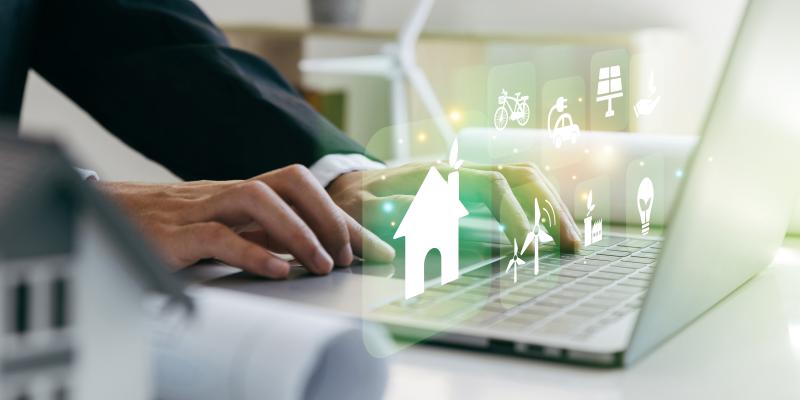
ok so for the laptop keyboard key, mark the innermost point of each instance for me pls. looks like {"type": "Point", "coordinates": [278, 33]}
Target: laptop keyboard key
{"type": "Point", "coordinates": [629, 289]}
{"type": "Point", "coordinates": [585, 311]}
{"type": "Point", "coordinates": [469, 297]}
{"type": "Point", "coordinates": [495, 306]}
{"type": "Point", "coordinates": [570, 293]}
{"type": "Point", "coordinates": [641, 277]}
{"type": "Point", "coordinates": [635, 282]}
{"type": "Point", "coordinates": [538, 308]}
{"type": "Point", "coordinates": [613, 296]}
{"type": "Point", "coordinates": [618, 270]}
{"type": "Point", "coordinates": [578, 286]}
{"type": "Point", "coordinates": [627, 264]}
{"type": "Point", "coordinates": [642, 254]}
{"type": "Point", "coordinates": [531, 291]}
{"type": "Point", "coordinates": [638, 260]}
{"type": "Point", "coordinates": [441, 311]}
{"type": "Point", "coordinates": [638, 243]}
{"type": "Point", "coordinates": [557, 280]}
{"type": "Point", "coordinates": [556, 301]}
{"type": "Point", "coordinates": [593, 262]}
{"type": "Point", "coordinates": [601, 303]}
{"type": "Point", "coordinates": [609, 241]}
{"type": "Point", "coordinates": [595, 282]}
{"type": "Point", "coordinates": [481, 318]}
{"type": "Point", "coordinates": [582, 267]}
{"type": "Point", "coordinates": [599, 257]}
{"type": "Point", "coordinates": [607, 275]}
{"type": "Point", "coordinates": [614, 253]}
{"type": "Point", "coordinates": [570, 273]}
{"type": "Point", "coordinates": [513, 299]}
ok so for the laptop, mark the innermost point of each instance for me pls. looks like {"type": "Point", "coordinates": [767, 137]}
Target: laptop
{"type": "Point", "coordinates": [615, 300]}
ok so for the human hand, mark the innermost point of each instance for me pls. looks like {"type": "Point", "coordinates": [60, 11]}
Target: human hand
{"type": "Point", "coordinates": [244, 223]}
{"type": "Point", "coordinates": [508, 191]}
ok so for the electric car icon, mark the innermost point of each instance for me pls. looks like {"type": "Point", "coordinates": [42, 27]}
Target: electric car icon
{"type": "Point", "coordinates": [564, 129]}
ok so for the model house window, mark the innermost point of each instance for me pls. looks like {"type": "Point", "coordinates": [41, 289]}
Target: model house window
{"type": "Point", "coordinates": [19, 310]}
{"type": "Point", "coordinates": [59, 307]}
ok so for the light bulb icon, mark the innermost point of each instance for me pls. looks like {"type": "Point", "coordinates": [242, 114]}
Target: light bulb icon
{"type": "Point", "coordinates": [645, 202]}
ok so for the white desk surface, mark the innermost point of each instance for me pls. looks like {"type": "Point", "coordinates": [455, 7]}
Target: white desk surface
{"type": "Point", "coordinates": [747, 347]}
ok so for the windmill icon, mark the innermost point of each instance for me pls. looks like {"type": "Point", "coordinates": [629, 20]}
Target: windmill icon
{"type": "Point", "coordinates": [537, 235]}
{"type": "Point", "coordinates": [515, 261]}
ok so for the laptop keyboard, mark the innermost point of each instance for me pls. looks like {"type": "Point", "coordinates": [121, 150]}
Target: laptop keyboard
{"type": "Point", "coordinates": [573, 295]}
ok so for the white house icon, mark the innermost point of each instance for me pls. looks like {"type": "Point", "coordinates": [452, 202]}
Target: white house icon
{"type": "Point", "coordinates": [431, 222]}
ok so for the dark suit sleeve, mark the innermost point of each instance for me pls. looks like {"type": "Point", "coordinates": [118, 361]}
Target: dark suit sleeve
{"type": "Point", "coordinates": [160, 76]}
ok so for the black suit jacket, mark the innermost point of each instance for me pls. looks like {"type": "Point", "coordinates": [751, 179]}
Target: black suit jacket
{"type": "Point", "coordinates": [159, 75]}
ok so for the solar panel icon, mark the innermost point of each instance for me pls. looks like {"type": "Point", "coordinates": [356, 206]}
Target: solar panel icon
{"type": "Point", "coordinates": [609, 87]}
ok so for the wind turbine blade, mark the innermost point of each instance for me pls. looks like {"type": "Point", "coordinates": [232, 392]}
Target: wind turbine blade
{"type": "Point", "coordinates": [419, 82]}
{"type": "Point", "coordinates": [537, 212]}
{"type": "Point", "coordinates": [528, 240]}
{"type": "Point", "coordinates": [510, 264]}
{"type": "Point", "coordinates": [520, 261]}
{"type": "Point", "coordinates": [544, 237]}
{"type": "Point", "coordinates": [516, 251]}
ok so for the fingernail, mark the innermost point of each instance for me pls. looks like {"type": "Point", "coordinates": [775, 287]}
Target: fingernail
{"type": "Point", "coordinates": [377, 251]}
{"type": "Point", "coordinates": [277, 268]}
{"type": "Point", "coordinates": [387, 253]}
{"type": "Point", "coordinates": [345, 255]}
{"type": "Point", "coordinates": [576, 243]}
{"type": "Point", "coordinates": [323, 262]}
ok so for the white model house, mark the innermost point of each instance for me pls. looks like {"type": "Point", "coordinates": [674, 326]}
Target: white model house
{"type": "Point", "coordinates": [73, 276]}
{"type": "Point", "coordinates": [431, 222]}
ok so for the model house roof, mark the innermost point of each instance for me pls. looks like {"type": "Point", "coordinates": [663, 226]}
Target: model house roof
{"type": "Point", "coordinates": [433, 203]}
{"type": "Point", "coordinates": [41, 196]}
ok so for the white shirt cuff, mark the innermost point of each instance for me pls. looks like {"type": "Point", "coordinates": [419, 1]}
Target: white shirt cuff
{"type": "Point", "coordinates": [87, 174]}
{"type": "Point", "coordinates": [329, 167]}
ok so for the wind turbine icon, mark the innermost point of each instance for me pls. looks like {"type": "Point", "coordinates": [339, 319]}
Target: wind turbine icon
{"type": "Point", "coordinates": [515, 261]}
{"type": "Point", "coordinates": [537, 235]}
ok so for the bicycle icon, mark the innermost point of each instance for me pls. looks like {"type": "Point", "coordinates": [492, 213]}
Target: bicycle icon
{"type": "Point", "coordinates": [520, 112]}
